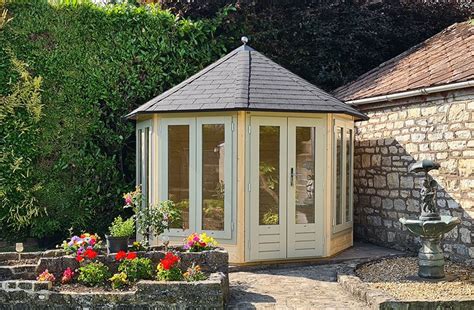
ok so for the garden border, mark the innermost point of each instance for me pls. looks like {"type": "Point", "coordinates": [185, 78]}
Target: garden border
{"type": "Point", "coordinates": [378, 299]}
{"type": "Point", "coordinates": [147, 294]}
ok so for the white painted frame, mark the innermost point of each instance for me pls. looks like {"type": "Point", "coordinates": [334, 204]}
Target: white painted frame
{"type": "Point", "coordinates": [228, 177]}
{"type": "Point", "coordinates": [346, 223]}
{"type": "Point", "coordinates": [163, 169]}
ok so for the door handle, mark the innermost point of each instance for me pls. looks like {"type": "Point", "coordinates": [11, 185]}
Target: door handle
{"type": "Point", "coordinates": [292, 174]}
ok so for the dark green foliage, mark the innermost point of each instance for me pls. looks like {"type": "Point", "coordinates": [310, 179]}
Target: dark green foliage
{"type": "Point", "coordinates": [327, 43]}
{"type": "Point", "coordinates": [97, 64]}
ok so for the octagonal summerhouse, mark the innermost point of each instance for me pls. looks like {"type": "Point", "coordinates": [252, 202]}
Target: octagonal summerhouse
{"type": "Point", "coordinates": [255, 156]}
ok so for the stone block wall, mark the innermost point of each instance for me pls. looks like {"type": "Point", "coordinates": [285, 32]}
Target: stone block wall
{"type": "Point", "coordinates": [439, 127]}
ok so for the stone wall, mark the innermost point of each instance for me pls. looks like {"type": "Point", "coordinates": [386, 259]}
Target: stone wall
{"type": "Point", "coordinates": [438, 127]}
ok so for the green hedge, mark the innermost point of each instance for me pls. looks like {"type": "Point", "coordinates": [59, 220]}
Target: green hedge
{"type": "Point", "coordinates": [97, 64]}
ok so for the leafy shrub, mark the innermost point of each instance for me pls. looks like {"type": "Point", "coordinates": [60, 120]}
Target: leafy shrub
{"type": "Point", "coordinates": [93, 274]}
{"type": "Point", "coordinates": [167, 269]}
{"type": "Point", "coordinates": [137, 269]}
{"type": "Point", "coordinates": [119, 280]}
{"type": "Point", "coordinates": [106, 62]}
{"type": "Point", "coordinates": [121, 228]}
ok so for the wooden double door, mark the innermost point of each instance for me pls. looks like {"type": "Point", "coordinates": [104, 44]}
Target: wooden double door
{"type": "Point", "coordinates": [287, 176]}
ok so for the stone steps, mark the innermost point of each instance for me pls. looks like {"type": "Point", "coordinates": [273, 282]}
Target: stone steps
{"type": "Point", "coordinates": [25, 272]}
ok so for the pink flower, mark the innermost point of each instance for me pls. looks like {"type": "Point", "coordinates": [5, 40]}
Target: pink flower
{"type": "Point", "coordinates": [128, 199]}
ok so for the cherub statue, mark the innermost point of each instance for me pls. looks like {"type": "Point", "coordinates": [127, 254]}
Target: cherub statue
{"type": "Point", "coordinates": [310, 186]}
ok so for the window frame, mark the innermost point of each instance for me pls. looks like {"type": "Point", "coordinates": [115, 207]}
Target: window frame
{"type": "Point", "coordinates": [163, 169]}
{"type": "Point", "coordinates": [195, 171]}
{"type": "Point", "coordinates": [228, 177]}
{"type": "Point", "coordinates": [347, 196]}
{"type": "Point", "coordinates": [145, 181]}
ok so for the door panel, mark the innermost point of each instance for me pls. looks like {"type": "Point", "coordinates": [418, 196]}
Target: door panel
{"type": "Point", "coordinates": [287, 194]}
{"type": "Point", "coordinates": [268, 188]}
{"type": "Point", "coordinates": [305, 189]}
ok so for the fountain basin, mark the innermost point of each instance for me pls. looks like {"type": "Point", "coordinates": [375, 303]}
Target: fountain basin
{"type": "Point", "coordinates": [431, 228]}
{"type": "Point", "coordinates": [430, 255]}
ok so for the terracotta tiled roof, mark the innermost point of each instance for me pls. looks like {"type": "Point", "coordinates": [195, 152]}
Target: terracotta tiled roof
{"type": "Point", "coordinates": [245, 79]}
{"type": "Point", "coordinates": [447, 57]}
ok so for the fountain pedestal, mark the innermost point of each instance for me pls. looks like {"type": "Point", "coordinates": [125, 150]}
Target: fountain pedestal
{"type": "Point", "coordinates": [430, 226]}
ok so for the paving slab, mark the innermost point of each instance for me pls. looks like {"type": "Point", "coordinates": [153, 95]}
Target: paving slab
{"type": "Point", "coordinates": [310, 284]}
{"type": "Point", "coordinates": [302, 287]}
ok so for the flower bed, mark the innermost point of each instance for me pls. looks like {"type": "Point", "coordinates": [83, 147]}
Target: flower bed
{"type": "Point", "coordinates": [211, 292]}
{"type": "Point", "coordinates": [84, 274]}
{"type": "Point", "coordinates": [207, 294]}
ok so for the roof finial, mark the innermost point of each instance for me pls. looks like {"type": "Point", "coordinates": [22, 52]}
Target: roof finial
{"type": "Point", "coordinates": [244, 40]}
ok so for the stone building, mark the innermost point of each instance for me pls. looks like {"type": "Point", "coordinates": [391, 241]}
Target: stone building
{"type": "Point", "coordinates": [421, 106]}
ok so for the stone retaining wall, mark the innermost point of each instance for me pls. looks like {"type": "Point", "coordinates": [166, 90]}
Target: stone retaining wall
{"type": "Point", "coordinates": [438, 127]}
{"type": "Point", "coordinates": [208, 294]}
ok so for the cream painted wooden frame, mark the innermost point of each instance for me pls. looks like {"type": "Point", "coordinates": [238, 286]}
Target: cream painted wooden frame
{"type": "Point", "coordinates": [346, 223]}
{"type": "Point", "coordinates": [229, 183]}
{"type": "Point", "coordinates": [307, 240]}
{"type": "Point", "coordinates": [163, 169]}
{"type": "Point", "coordinates": [145, 151]}
{"type": "Point", "coordinates": [269, 242]}
{"type": "Point", "coordinates": [195, 171]}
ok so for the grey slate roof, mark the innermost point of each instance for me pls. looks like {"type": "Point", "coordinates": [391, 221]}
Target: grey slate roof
{"type": "Point", "coordinates": [245, 79]}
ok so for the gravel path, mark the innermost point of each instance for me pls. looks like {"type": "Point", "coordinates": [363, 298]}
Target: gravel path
{"type": "Point", "coordinates": [305, 287]}
{"type": "Point", "coordinates": [397, 276]}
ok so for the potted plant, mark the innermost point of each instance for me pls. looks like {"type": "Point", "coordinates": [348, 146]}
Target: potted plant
{"type": "Point", "coordinates": [120, 231]}
{"type": "Point", "coordinates": [154, 219]}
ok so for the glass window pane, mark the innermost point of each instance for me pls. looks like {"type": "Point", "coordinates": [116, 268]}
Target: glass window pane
{"type": "Point", "coordinates": [139, 156]}
{"type": "Point", "coordinates": [269, 175]}
{"type": "Point", "coordinates": [339, 135]}
{"type": "Point", "coordinates": [213, 170]}
{"type": "Point", "coordinates": [348, 174]}
{"type": "Point", "coordinates": [304, 174]}
{"type": "Point", "coordinates": [146, 168]}
{"type": "Point", "coordinates": [178, 171]}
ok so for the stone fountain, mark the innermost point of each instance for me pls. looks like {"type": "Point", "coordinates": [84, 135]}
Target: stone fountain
{"type": "Point", "coordinates": [430, 226]}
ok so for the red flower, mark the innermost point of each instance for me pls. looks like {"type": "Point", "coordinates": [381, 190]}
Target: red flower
{"type": "Point", "coordinates": [131, 255]}
{"type": "Point", "coordinates": [90, 254]}
{"type": "Point", "coordinates": [79, 258]}
{"type": "Point", "coordinates": [120, 255]}
{"type": "Point", "coordinates": [169, 261]}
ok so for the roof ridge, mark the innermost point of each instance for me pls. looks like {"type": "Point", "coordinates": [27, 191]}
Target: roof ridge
{"type": "Point", "coordinates": [398, 57]}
